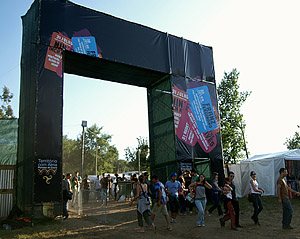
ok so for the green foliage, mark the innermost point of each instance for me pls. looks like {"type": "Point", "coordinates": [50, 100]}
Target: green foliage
{"type": "Point", "coordinates": [232, 123]}
{"type": "Point", "coordinates": [6, 111]}
{"type": "Point", "coordinates": [107, 154]}
{"type": "Point", "coordinates": [71, 155]}
{"type": "Point", "coordinates": [132, 155]}
{"type": "Point", "coordinates": [293, 142]}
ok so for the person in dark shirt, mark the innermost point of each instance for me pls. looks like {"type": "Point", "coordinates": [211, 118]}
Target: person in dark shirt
{"type": "Point", "coordinates": [187, 178]}
{"type": "Point", "coordinates": [123, 179]}
{"type": "Point", "coordinates": [235, 201]}
{"type": "Point", "coordinates": [216, 195]}
{"type": "Point", "coordinates": [86, 187]}
{"type": "Point", "coordinates": [66, 187]}
{"type": "Point", "coordinates": [116, 183]}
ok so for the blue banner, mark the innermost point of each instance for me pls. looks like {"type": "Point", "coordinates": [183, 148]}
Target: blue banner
{"type": "Point", "coordinates": [202, 108]}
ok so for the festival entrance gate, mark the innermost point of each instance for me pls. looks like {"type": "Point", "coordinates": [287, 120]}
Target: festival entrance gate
{"type": "Point", "coordinates": [60, 36]}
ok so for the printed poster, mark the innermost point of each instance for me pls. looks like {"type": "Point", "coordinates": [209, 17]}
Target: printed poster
{"type": "Point", "coordinates": [81, 42]}
{"type": "Point", "coordinates": [85, 45]}
{"type": "Point", "coordinates": [194, 117]}
{"type": "Point", "coordinates": [53, 61]}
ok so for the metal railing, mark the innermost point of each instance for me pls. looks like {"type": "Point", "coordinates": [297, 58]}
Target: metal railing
{"type": "Point", "coordinates": [95, 202]}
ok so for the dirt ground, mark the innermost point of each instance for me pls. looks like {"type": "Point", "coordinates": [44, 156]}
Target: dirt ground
{"type": "Point", "coordinates": [121, 223]}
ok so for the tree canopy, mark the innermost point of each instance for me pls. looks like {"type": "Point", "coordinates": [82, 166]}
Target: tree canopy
{"type": "Point", "coordinates": [232, 123]}
{"type": "Point", "coordinates": [6, 111]}
{"type": "Point", "coordinates": [95, 140]}
{"type": "Point", "coordinates": [132, 155]}
{"type": "Point", "coordinates": [293, 142]}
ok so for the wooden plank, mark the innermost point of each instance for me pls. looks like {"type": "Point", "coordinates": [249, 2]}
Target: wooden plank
{"type": "Point", "coordinates": [7, 167]}
{"type": "Point", "coordinates": [6, 191]}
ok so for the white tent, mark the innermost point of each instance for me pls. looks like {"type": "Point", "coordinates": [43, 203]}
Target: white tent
{"type": "Point", "coordinates": [266, 167]}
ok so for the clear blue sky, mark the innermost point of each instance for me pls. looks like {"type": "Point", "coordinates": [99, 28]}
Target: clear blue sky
{"type": "Point", "coordinates": [259, 38]}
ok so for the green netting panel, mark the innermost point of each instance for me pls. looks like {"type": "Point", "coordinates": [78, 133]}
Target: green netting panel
{"type": "Point", "coordinates": [162, 133]}
{"type": "Point", "coordinates": [164, 171]}
{"type": "Point", "coordinates": [203, 166]}
{"type": "Point", "coordinates": [8, 141]}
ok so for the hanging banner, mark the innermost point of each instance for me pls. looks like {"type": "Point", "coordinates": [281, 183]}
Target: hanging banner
{"type": "Point", "coordinates": [47, 178]}
{"type": "Point", "coordinates": [53, 61]}
{"type": "Point", "coordinates": [83, 43]}
{"type": "Point", "coordinates": [202, 108]}
{"type": "Point", "coordinates": [194, 117]}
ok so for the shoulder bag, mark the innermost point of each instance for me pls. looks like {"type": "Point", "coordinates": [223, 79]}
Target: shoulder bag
{"type": "Point", "coordinates": [148, 199]}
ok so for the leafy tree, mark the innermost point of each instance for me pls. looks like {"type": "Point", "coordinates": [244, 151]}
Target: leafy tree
{"type": "Point", "coordinates": [122, 166]}
{"type": "Point", "coordinates": [71, 155]}
{"type": "Point", "coordinates": [293, 142]}
{"type": "Point", "coordinates": [132, 155]}
{"type": "Point", "coordinates": [109, 160]}
{"type": "Point", "coordinates": [107, 154]}
{"type": "Point", "coordinates": [232, 123]}
{"type": "Point", "coordinates": [6, 111]}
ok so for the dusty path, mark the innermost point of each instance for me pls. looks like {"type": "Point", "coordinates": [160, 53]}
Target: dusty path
{"type": "Point", "coordinates": [122, 223]}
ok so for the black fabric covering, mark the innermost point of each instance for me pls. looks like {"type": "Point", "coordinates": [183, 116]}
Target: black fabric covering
{"type": "Point", "coordinates": [109, 70]}
{"type": "Point", "coordinates": [128, 53]}
{"type": "Point", "coordinates": [188, 153]}
{"type": "Point", "coordinates": [27, 108]}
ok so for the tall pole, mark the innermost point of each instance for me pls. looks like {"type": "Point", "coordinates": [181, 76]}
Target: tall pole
{"type": "Point", "coordinates": [83, 124]}
{"type": "Point", "coordinates": [139, 159]}
{"type": "Point", "coordinates": [245, 146]}
{"type": "Point", "coordinates": [96, 166]}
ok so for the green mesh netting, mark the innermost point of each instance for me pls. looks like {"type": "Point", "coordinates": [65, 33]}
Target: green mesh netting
{"type": "Point", "coordinates": [8, 141]}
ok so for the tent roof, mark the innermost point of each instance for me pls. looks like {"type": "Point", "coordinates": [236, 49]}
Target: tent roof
{"type": "Point", "coordinates": [287, 155]}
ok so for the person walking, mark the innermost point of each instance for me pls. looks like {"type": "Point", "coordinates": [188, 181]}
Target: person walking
{"type": "Point", "coordinates": [188, 180]}
{"type": "Point", "coordinates": [116, 186]}
{"type": "Point", "coordinates": [86, 187]}
{"type": "Point", "coordinates": [134, 182]}
{"type": "Point", "coordinates": [109, 186]}
{"type": "Point", "coordinates": [200, 197]}
{"type": "Point", "coordinates": [181, 196]}
{"type": "Point", "coordinates": [256, 193]}
{"type": "Point", "coordinates": [194, 178]}
{"type": "Point", "coordinates": [97, 188]}
{"type": "Point", "coordinates": [161, 201]}
{"type": "Point", "coordinates": [75, 186]}
{"type": "Point", "coordinates": [227, 190]}
{"type": "Point", "coordinates": [104, 190]}
{"type": "Point", "coordinates": [123, 179]}
{"type": "Point", "coordinates": [143, 208]}
{"type": "Point", "coordinates": [283, 199]}
{"type": "Point", "coordinates": [172, 188]}
{"type": "Point", "coordinates": [235, 201]}
{"type": "Point", "coordinates": [216, 197]}
{"type": "Point", "coordinates": [146, 177]}
{"type": "Point", "coordinates": [66, 187]}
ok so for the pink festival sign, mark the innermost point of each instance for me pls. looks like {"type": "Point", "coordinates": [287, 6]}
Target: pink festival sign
{"type": "Point", "coordinates": [195, 117]}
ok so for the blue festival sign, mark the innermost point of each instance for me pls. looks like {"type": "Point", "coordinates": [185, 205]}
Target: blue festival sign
{"type": "Point", "coordinates": [85, 45]}
{"type": "Point", "coordinates": [202, 108]}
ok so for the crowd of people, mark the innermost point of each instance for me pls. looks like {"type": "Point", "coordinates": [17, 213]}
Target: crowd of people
{"type": "Point", "coordinates": [179, 195]}
{"type": "Point", "coordinates": [104, 188]}
{"type": "Point", "coordinates": [182, 193]}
